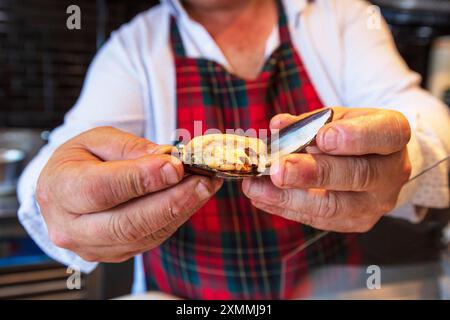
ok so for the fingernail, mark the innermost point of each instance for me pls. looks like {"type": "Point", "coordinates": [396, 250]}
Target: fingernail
{"type": "Point", "coordinates": [313, 150]}
{"type": "Point", "coordinates": [170, 174]}
{"type": "Point", "coordinates": [202, 191]}
{"type": "Point", "coordinates": [275, 124]}
{"type": "Point", "coordinates": [329, 139]}
{"type": "Point", "coordinates": [255, 189]}
{"type": "Point", "coordinates": [289, 174]}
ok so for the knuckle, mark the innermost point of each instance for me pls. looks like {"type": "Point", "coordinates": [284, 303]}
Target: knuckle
{"type": "Point", "coordinates": [96, 231]}
{"type": "Point", "coordinates": [173, 213]}
{"type": "Point", "coordinates": [285, 198]}
{"type": "Point", "coordinates": [161, 235]}
{"type": "Point", "coordinates": [364, 174]}
{"type": "Point", "coordinates": [134, 183]}
{"type": "Point", "coordinates": [406, 171]}
{"type": "Point", "coordinates": [42, 192]}
{"type": "Point", "coordinates": [402, 129]}
{"type": "Point", "coordinates": [388, 205]}
{"type": "Point", "coordinates": [328, 206]}
{"type": "Point", "coordinates": [176, 209]}
{"type": "Point", "coordinates": [170, 212]}
{"type": "Point", "coordinates": [133, 144]}
{"type": "Point", "coordinates": [124, 229]}
{"type": "Point", "coordinates": [380, 207]}
{"type": "Point", "coordinates": [61, 239]}
{"type": "Point", "coordinates": [94, 192]}
{"type": "Point", "coordinates": [324, 169]}
{"type": "Point", "coordinates": [139, 182]}
{"type": "Point", "coordinates": [182, 202]}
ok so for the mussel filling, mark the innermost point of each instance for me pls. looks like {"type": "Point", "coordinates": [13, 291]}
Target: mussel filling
{"type": "Point", "coordinates": [226, 152]}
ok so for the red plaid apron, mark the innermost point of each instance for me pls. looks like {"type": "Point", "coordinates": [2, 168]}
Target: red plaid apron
{"type": "Point", "coordinates": [229, 249]}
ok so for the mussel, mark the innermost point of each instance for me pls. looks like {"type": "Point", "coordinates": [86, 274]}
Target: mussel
{"type": "Point", "coordinates": [232, 156]}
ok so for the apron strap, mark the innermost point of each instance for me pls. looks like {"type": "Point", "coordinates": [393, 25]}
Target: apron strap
{"type": "Point", "coordinates": [283, 26]}
{"type": "Point", "coordinates": [175, 39]}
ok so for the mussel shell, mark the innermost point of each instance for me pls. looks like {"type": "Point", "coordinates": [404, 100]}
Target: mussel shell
{"type": "Point", "coordinates": [297, 136]}
{"type": "Point", "coordinates": [209, 172]}
{"type": "Point", "coordinates": [291, 139]}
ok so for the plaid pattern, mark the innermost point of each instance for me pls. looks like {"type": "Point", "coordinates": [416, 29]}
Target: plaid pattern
{"type": "Point", "coordinates": [229, 249]}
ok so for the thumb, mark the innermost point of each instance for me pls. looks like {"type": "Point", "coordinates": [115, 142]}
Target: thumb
{"type": "Point", "coordinates": [108, 144]}
{"type": "Point", "coordinates": [282, 120]}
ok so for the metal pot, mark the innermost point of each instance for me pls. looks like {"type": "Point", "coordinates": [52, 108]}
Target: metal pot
{"type": "Point", "coordinates": [17, 148]}
{"type": "Point", "coordinates": [11, 165]}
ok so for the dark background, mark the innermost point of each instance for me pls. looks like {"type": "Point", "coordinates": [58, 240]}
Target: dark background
{"type": "Point", "coordinates": [42, 63]}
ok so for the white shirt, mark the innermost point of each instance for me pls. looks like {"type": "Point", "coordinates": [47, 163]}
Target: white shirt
{"type": "Point", "coordinates": [131, 85]}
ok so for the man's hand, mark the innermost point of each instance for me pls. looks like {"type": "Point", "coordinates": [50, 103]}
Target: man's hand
{"type": "Point", "coordinates": [108, 195]}
{"type": "Point", "coordinates": [348, 181]}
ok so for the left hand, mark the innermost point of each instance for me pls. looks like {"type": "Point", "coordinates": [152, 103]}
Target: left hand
{"type": "Point", "coordinates": [352, 178]}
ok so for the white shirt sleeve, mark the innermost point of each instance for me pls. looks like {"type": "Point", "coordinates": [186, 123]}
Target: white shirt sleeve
{"type": "Point", "coordinates": [111, 96]}
{"type": "Point", "coordinates": [376, 76]}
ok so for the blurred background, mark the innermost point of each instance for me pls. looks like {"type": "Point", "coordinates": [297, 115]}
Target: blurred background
{"type": "Point", "coordinates": [42, 67]}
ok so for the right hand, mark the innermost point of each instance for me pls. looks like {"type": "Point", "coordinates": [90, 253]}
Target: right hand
{"type": "Point", "coordinates": [108, 195]}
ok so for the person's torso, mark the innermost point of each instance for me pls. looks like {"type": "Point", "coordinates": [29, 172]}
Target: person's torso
{"type": "Point", "coordinates": [230, 249]}
{"type": "Point", "coordinates": [145, 44]}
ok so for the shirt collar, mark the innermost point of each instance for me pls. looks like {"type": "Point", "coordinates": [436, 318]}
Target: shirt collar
{"type": "Point", "coordinates": [292, 7]}
{"type": "Point", "coordinates": [175, 7]}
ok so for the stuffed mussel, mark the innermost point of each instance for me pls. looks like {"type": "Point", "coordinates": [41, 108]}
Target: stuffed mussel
{"type": "Point", "coordinates": [235, 156]}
